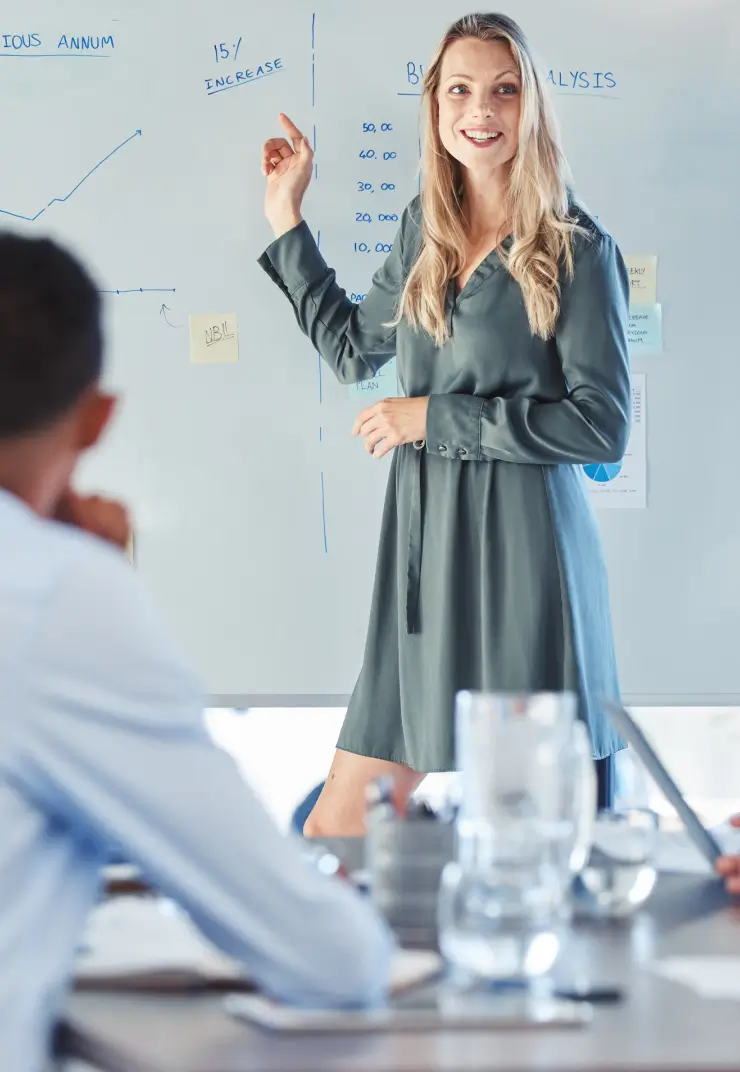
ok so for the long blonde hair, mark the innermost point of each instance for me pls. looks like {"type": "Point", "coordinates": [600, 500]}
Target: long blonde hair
{"type": "Point", "coordinates": [536, 200]}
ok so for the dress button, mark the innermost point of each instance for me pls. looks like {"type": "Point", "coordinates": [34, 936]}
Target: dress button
{"type": "Point", "coordinates": [442, 448]}
{"type": "Point", "coordinates": [461, 452]}
{"type": "Point", "coordinates": [419, 444]}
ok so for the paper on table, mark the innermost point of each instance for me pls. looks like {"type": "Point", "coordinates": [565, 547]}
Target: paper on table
{"type": "Point", "coordinates": [677, 853]}
{"type": "Point", "coordinates": [710, 977]}
{"type": "Point", "coordinates": [147, 943]}
{"type": "Point", "coordinates": [213, 338]}
{"type": "Point", "coordinates": [410, 967]}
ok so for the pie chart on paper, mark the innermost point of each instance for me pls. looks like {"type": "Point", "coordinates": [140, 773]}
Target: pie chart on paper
{"type": "Point", "coordinates": [603, 473]}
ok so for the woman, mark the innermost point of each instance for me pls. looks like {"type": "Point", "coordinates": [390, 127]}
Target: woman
{"type": "Point", "coordinates": [506, 305]}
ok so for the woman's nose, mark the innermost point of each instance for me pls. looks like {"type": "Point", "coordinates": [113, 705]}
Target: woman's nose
{"type": "Point", "coordinates": [482, 106]}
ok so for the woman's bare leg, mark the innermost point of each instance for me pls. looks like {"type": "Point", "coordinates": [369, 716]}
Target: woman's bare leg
{"type": "Point", "coordinates": [340, 810]}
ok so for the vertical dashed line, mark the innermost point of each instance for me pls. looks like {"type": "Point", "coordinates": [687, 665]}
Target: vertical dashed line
{"type": "Point", "coordinates": [316, 169]}
{"type": "Point", "coordinates": [318, 243]}
{"type": "Point", "coordinates": [313, 59]}
{"type": "Point", "coordinates": [323, 513]}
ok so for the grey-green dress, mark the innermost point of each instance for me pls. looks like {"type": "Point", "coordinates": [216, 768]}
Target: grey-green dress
{"type": "Point", "coordinates": [490, 572]}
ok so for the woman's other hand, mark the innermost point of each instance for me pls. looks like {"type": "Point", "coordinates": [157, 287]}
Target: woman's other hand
{"type": "Point", "coordinates": [392, 422]}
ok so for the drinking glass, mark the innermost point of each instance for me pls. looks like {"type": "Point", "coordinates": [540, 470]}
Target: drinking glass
{"type": "Point", "coordinates": [621, 871]}
{"type": "Point", "coordinates": [504, 901]}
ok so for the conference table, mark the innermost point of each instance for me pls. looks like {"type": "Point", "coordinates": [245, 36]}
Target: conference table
{"type": "Point", "coordinates": [658, 1025]}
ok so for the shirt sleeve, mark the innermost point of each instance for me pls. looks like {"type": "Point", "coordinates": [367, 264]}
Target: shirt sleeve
{"type": "Point", "coordinates": [352, 337]}
{"type": "Point", "coordinates": [117, 746]}
{"type": "Point", "coordinates": [591, 424]}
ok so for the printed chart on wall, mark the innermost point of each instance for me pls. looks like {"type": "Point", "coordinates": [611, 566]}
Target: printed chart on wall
{"type": "Point", "coordinates": [624, 483]}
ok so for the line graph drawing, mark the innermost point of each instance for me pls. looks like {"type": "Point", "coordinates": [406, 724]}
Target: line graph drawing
{"type": "Point", "coordinates": [61, 200]}
{"type": "Point", "coordinates": [141, 290]}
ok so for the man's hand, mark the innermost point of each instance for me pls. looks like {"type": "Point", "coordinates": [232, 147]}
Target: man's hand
{"type": "Point", "coordinates": [729, 866]}
{"type": "Point", "coordinates": [104, 518]}
{"type": "Point", "coordinates": [392, 422]}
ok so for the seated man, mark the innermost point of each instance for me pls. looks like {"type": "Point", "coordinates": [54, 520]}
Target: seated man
{"type": "Point", "coordinates": [102, 742]}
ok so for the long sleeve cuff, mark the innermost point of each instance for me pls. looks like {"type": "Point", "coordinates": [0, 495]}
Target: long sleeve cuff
{"type": "Point", "coordinates": [293, 260]}
{"type": "Point", "coordinates": [454, 426]}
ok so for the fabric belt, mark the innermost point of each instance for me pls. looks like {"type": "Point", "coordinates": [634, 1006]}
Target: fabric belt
{"type": "Point", "coordinates": [413, 555]}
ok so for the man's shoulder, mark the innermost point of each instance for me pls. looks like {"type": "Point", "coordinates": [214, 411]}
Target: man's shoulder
{"type": "Point", "coordinates": [97, 619]}
{"type": "Point", "coordinates": [82, 635]}
{"type": "Point", "coordinates": [35, 553]}
{"type": "Point", "coordinates": [97, 570]}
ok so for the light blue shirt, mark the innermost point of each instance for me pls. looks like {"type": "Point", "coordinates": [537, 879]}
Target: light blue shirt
{"type": "Point", "coordinates": [103, 746]}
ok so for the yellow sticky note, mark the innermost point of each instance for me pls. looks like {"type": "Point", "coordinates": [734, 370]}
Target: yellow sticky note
{"type": "Point", "coordinates": [643, 272]}
{"type": "Point", "coordinates": [213, 338]}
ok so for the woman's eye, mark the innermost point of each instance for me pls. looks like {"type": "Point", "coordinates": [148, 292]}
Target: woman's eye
{"type": "Point", "coordinates": [508, 89]}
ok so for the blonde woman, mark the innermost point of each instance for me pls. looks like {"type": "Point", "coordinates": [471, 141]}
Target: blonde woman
{"type": "Point", "coordinates": [506, 305]}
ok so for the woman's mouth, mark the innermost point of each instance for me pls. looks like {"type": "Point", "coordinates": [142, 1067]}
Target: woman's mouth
{"type": "Point", "coordinates": [481, 136]}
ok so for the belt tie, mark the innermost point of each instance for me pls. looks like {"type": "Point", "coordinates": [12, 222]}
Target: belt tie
{"type": "Point", "coordinates": [413, 557]}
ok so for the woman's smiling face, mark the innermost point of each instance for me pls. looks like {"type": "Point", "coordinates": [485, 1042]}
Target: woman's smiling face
{"type": "Point", "coordinates": [478, 104]}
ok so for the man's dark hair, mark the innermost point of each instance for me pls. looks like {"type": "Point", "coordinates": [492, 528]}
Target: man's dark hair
{"type": "Point", "coordinates": [51, 346]}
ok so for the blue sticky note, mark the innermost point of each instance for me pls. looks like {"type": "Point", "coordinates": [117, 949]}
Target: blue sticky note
{"type": "Point", "coordinates": [645, 331]}
{"type": "Point", "coordinates": [384, 384]}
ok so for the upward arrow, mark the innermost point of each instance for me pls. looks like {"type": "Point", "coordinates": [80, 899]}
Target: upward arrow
{"type": "Point", "coordinates": [164, 309]}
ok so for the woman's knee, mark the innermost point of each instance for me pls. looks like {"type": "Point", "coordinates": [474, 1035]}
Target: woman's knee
{"type": "Point", "coordinates": [335, 819]}
{"type": "Point", "coordinates": [313, 827]}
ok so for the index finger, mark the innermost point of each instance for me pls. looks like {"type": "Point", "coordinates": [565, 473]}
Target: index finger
{"type": "Point", "coordinates": [362, 417]}
{"type": "Point", "coordinates": [290, 129]}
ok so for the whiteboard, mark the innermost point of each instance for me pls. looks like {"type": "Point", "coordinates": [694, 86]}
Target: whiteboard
{"type": "Point", "coordinates": [132, 132]}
